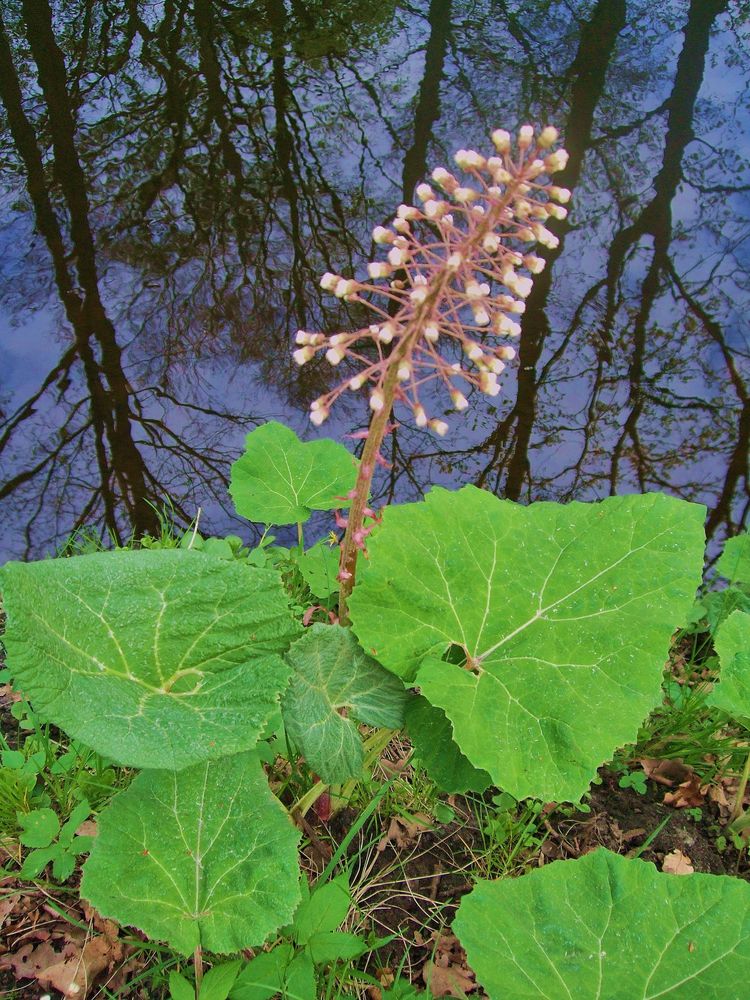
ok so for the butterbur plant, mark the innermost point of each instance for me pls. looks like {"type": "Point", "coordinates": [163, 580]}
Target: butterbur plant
{"type": "Point", "coordinates": [456, 272]}
{"type": "Point", "coordinates": [519, 646]}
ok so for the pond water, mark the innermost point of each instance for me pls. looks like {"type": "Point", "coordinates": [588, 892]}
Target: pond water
{"type": "Point", "coordinates": [176, 177]}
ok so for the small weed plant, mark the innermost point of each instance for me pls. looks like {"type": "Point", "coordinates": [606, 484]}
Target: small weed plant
{"type": "Point", "coordinates": [518, 647]}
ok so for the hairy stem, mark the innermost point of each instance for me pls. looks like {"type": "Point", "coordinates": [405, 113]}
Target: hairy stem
{"type": "Point", "coordinates": [375, 435]}
{"type": "Point", "coordinates": [738, 803]}
{"type": "Point", "coordinates": [198, 964]}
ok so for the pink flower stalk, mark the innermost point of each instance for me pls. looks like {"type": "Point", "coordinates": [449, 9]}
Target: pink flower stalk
{"type": "Point", "coordinates": [452, 278]}
{"type": "Point", "coordinates": [458, 285]}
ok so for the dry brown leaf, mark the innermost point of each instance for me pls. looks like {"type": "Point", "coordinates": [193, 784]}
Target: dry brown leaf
{"type": "Point", "coordinates": [666, 772]}
{"type": "Point", "coordinates": [88, 828]}
{"type": "Point", "coordinates": [687, 795]}
{"type": "Point", "coordinates": [74, 976]}
{"type": "Point", "coordinates": [31, 961]}
{"type": "Point", "coordinates": [677, 863]}
{"type": "Point", "coordinates": [403, 833]}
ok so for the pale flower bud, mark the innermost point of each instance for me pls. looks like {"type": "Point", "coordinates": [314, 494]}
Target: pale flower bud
{"type": "Point", "coordinates": [379, 269]}
{"type": "Point", "coordinates": [337, 338]}
{"type": "Point", "coordinates": [407, 212]}
{"type": "Point", "coordinates": [424, 192]}
{"type": "Point", "coordinates": [454, 261]}
{"type": "Point", "coordinates": [329, 281]}
{"type": "Point", "coordinates": [525, 136]}
{"type": "Point", "coordinates": [556, 161]}
{"type": "Point", "coordinates": [468, 159]}
{"type": "Point", "coordinates": [403, 372]}
{"type": "Point", "coordinates": [547, 137]}
{"type": "Point", "coordinates": [534, 169]}
{"type": "Point", "coordinates": [494, 163]}
{"type": "Point", "coordinates": [488, 383]}
{"type": "Point", "coordinates": [434, 209]}
{"type": "Point", "coordinates": [473, 351]}
{"type": "Point", "coordinates": [481, 317]}
{"type": "Point", "coordinates": [559, 194]}
{"type": "Point", "coordinates": [357, 382]}
{"type": "Point", "coordinates": [382, 235]}
{"type": "Point", "coordinates": [464, 195]}
{"type": "Point", "coordinates": [431, 332]}
{"type": "Point", "coordinates": [318, 416]}
{"type": "Point", "coordinates": [420, 417]}
{"type": "Point", "coordinates": [495, 365]}
{"type": "Point", "coordinates": [525, 235]}
{"type": "Point", "coordinates": [491, 243]}
{"type": "Point", "coordinates": [517, 307]}
{"type": "Point", "coordinates": [439, 426]}
{"type": "Point", "coordinates": [501, 139]}
{"type": "Point", "coordinates": [301, 337]}
{"type": "Point", "coordinates": [376, 401]}
{"type": "Point", "coordinates": [387, 333]}
{"type": "Point", "coordinates": [477, 210]}
{"type": "Point", "coordinates": [535, 264]}
{"type": "Point", "coordinates": [507, 353]}
{"type": "Point", "coordinates": [523, 287]}
{"type": "Point", "coordinates": [401, 225]}
{"type": "Point", "coordinates": [303, 355]}
{"type": "Point", "coordinates": [557, 211]}
{"type": "Point", "coordinates": [501, 176]}
{"type": "Point", "coordinates": [476, 291]}
{"type": "Point", "coordinates": [334, 355]}
{"type": "Point", "coordinates": [344, 286]}
{"type": "Point", "coordinates": [460, 402]}
{"type": "Point", "coordinates": [444, 178]}
{"type": "Point", "coordinates": [397, 256]}
{"type": "Point", "coordinates": [545, 236]}
{"type": "Point", "coordinates": [418, 294]}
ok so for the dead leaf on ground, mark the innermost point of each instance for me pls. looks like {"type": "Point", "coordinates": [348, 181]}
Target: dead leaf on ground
{"type": "Point", "coordinates": [666, 772]}
{"type": "Point", "coordinates": [403, 833]}
{"type": "Point", "coordinates": [446, 972]}
{"type": "Point", "coordinates": [688, 794]}
{"type": "Point", "coordinates": [677, 863]}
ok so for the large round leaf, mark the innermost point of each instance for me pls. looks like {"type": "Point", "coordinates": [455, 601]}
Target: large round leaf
{"type": "Point", "coordinates": [564, 612]}
{"type": "Point", "coordinates": [732, 643]}
{"type": "Point", "coordinates": [203, 856]}
{"type": "Point", "coordinates": [331, 674]}
{"type": "Point", "coordinates": [734, 561]}
{"type": "Point", "coordinates": [607, 927]}
{"type": "Point", "coordinates": [432, 737]}
{"type": "Point", "coordinates": [155, 659]}
{"type": "Point", "coordinates": [281, 480]}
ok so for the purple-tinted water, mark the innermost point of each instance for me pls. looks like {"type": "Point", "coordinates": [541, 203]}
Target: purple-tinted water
{"type": "Point", "coordinates": [176, 177]}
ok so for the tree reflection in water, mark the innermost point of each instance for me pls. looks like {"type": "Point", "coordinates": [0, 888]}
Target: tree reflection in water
{"type": "Point", "coordinates": [177, 176]}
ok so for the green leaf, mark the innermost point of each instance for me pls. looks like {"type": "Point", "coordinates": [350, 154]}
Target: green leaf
{"type": "Point", "coordinates": [732, 643]}
{"type": "Point", "coordinates": [324, 911]}
{"type": "Point", "coordinates": [565, 613]}
{"type": "Point", "coordinates": [330, 672]}
{"type": "Point", "coordinates": [300, 979]}
{"type": "Point", "coordinates": [153, 658]}
{"type": "Point", "coordinates": [610, 927]}
{"type": "Point", "coordinates": [180, 988]}
{"type": "Point", "coordinates": [219, 980]}
{"type": "Point", "coordinates": [263, 975]}
{"type": "Point", "coordinates": [37, 860]}
{"type": "Point", "coordinates": [204, 856]}
{"type": "Point", "coordinates": [335, 946]}
{"type": "Point", "coordinates": [734, 561]}
{"type": "Point", "coordinates": [432, 736]}
{"type": "Point", "coordinates": [280, 480]}
{"type": "Point", "coordinates": [39, 827]}
{"type": "Point", "coordinates": [319, 566]}
{"type": "Point", "coordinates": [719, 604]}
{"type": "Point", "coordinates": [63, 864]}
{"type": "Point", "coordinates": [81, 812]}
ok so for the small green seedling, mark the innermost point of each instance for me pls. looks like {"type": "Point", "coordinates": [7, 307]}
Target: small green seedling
{"type": "Point", "coordinates": [50, 842]}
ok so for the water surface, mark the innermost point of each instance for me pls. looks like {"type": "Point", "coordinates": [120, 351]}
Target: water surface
{"type": "Point", "coordinates": [176, 176]}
